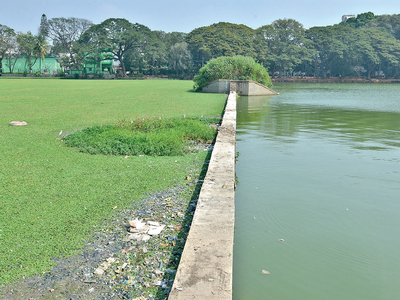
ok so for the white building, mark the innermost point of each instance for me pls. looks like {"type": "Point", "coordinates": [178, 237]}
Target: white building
{"type": "Point", "coordinates": [345, 17]}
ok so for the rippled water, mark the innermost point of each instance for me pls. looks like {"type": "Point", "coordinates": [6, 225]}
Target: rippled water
{"type": "Point", "coordinates": [319, 167]}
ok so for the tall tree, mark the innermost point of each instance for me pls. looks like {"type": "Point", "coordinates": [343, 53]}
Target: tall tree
{"type": "Point", "coordinates": [391, 23]}
{"type": "Point", "coordinates": [221, 39]}
{"type": "Point", "coordinates": [171, 38]}
{"type": "Point", "coordinates": [282, 45]}
{"type": "Point", "coordinates": [8, 42]}
{"type": "Point", "coordinates": [65, 32]}
{"type": "Point", "coordinates": [180, 59]}
{"type": "Point", "coordinates": [27, 45]}
{"type": "Point", "coordinates": [335, 49]}
{"type": "Point", "coordinates": [119, 37]}
{"type": "Point", "coordinates": [41, 48]}
{"type": "Point", "coordinates": [155, 53]}
{"type": "Point", "coordinates": [44, 26]}
{"type": "Point", "coordinates": [378, 48]}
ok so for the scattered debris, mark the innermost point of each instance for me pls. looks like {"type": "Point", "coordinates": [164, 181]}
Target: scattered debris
{"type": "Point", "coordinates": [133, 255]}
{"type": "Point", "coordinates": [18, 123]}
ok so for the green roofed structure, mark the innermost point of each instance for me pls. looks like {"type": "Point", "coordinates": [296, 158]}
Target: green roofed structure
{"type": "Point", "coordinates": [99, 64]}
{"type": "Point", "coordinates": [23, 64]}
{"type": "Point", "coordinates": [96, 64]}
{"type": "Point", "coordinates": [104, 65]}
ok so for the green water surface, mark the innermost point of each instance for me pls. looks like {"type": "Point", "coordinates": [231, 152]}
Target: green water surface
{"type": "Point", "coordinates": [319, 168]}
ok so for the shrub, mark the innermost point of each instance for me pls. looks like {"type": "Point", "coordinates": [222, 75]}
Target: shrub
{"type": "Point", "coordinates": [233, 68]}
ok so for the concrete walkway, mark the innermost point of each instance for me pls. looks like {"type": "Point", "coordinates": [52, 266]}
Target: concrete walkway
{"type": "Point", "coordinates": [205, 269]}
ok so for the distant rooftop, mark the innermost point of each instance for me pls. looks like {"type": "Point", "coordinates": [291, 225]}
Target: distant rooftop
{"type": "Point", "coordinates": [345, 17]}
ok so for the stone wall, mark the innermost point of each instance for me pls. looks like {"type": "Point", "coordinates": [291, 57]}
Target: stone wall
{"type": "Point", "coordinates": [241, 87]}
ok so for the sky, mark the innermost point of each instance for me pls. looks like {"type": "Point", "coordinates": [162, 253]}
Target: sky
{"type": "Point", "coordinates": [186, 15]}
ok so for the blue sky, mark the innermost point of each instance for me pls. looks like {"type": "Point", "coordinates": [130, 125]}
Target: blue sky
{"type": "Point", "coordinates": [186, 15]}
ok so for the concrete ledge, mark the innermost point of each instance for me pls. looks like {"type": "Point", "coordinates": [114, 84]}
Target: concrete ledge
{"type": "Point", "coordinates": [205, 269]}
{"type": "Point", "coordinates": [241, 87]}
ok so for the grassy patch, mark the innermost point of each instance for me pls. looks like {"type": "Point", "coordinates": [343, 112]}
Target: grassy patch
{"type": "Point", "coordinates": [142, 136]}
{"type": "Point", "coordinates": [51, 196]}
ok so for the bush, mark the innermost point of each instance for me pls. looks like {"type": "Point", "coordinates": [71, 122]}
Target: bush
{"type": "Point", "coordinates": [143, 136]}
{"type": "Point", "coordinates": [233, 68]}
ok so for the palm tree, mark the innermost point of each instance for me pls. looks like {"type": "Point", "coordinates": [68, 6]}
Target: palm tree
{"type": "Point", "coordinates": [41, 48]}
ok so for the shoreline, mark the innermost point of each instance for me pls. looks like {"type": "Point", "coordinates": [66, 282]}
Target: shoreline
{"type": "Point", "coordinates": [335, 80]}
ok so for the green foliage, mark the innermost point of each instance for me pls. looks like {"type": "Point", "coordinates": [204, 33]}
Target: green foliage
{"type": "Point", "coordinates": [221, 39]}
{"type": "Point", "coordinates": [390, 23]}
{"type": "Point", "coordinates": [360, 20]}
{"type": "Point", "coordinates": [119, 36]}
{"type": "Point", "coordinates": [234, 68]}
{"type": "Point", "coordinates": [180, 58]}
{"type": "Point", "coordinates": [282, 47]}
{"type": "Point", "coordinates": [142, 136]}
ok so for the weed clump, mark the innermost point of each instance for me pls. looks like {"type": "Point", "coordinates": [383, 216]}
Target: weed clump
{"type": "Point", "coordinates": [142, 136]}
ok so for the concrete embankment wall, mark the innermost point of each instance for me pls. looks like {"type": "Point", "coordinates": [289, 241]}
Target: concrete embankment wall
{"type": "Point", "coordinates": [205, 269]}
{"type": "Point", "coordinates": [241, 87]}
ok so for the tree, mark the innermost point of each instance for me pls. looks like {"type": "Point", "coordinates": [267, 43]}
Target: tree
{"type": "Point", "coordinates": [180, 58]}
{"type": "Point", "coordinates": [172, 38]}
{"type": "Point", "coordinates": [44, 26]}
{"type": "Point", "coordinates": [360, 20]}
{"type": "Point", "coordinates": [391, 23]}
{"type": "Point", "coordinates": [155, 53]}
{"type": "Point", "coordinates": [27, 45]}
{"type": "Point", "coordinates": [65, 32]}
{"type": "Point", "coordinates": [331, 46]}
{"type": "Point", "coordinates": [119, 37]}
{"type": "Point", "coordinates": [377, 48]}
{"type": "Point", "coordinates": [32, 47]}
{"type": "Point", "coordinates": [221, 39]}
{"type": "Point", "coordinates": [8, 42]}
{"type": "Point", "coordinates": [281, 45]}
{"type": "Point", "coordinates": [41, 48]}
{"type": "Point", "coordinates": [234, 68]}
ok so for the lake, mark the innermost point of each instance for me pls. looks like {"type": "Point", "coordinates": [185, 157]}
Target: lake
{"type": "Point", "coordinates": [318, 193]}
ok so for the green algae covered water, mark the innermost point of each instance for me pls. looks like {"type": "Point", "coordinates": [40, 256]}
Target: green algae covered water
{"type": "Point", "coordinates": [318, 194]}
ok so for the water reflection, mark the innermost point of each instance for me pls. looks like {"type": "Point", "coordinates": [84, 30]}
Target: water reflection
{"type": "Point", "coordinates": [363, 129]}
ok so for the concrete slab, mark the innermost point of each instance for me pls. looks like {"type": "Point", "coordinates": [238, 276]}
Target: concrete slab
{"type": "Point", "coordinates": [242, 87]}
{"type": "Point", "coordinates": [205, 268]}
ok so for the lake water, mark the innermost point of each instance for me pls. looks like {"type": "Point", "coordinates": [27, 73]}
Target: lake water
{"type": "Point", "coordinates": [318, 195]}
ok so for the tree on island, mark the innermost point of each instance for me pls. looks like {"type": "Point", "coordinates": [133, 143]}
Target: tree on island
{"type": "Point", "coordinates": [233, 68]}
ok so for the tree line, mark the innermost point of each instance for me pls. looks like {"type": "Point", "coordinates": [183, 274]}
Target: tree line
{"type": "Point", "coordinates": [367, 45]}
